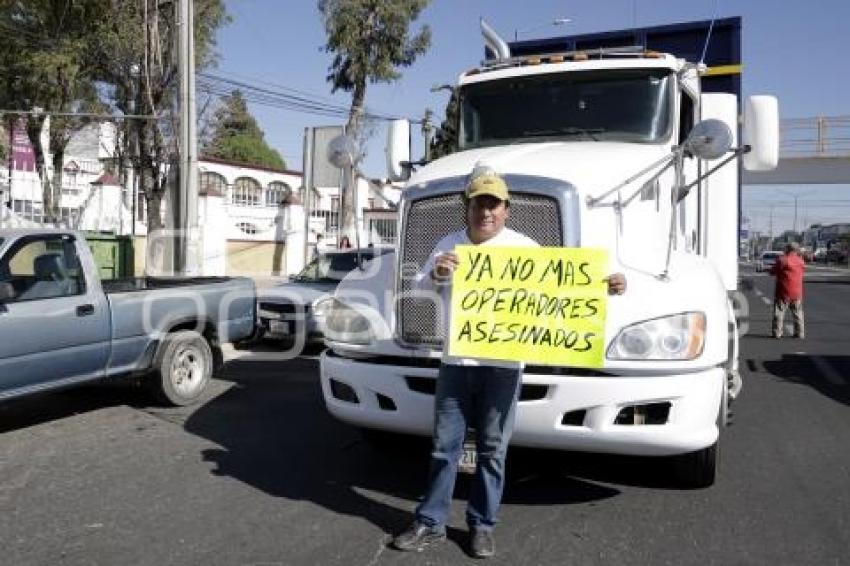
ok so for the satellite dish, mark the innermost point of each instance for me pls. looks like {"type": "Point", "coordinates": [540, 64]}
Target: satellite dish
{"type": "Point", "coordinates": [709, 139]}
{"type": "Point", "coordinates": [343, 151]}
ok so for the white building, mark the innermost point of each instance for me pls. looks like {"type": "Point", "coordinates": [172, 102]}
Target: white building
{"type": "Point", "coordinates": [252, 218]}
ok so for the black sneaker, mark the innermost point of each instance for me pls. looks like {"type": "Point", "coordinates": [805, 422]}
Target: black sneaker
{"type": "Point", "coordinates": [418, 536]}
{"type": "Point", "coordinates": [481, 543]}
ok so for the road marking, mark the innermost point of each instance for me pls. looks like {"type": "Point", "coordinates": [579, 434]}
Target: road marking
{"type": "Point", "coordinates": [761, 296]}
{"type": "Point", "coordinates": [829, 372]}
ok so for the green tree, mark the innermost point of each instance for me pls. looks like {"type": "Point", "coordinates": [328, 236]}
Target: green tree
{"type": "Point", "coordinates": [445, 141]}
{"type": "Point", "coordinates": [136, 56]}
{"type": "Point", "coordinates": [44, 64]}
{"type": "Point", "coordinates": [235, 135]}
{"type": "Point", "coordinates": [370, 41]}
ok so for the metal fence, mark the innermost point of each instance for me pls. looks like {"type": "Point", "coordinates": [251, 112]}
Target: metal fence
{"type": "Point", "coordinates": [382, 227]}
{"type": "Point", "coordinates": [822, 136]}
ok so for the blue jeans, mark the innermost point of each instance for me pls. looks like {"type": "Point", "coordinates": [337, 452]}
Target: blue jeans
{"type": "Point", "coordinates": [483, 398]}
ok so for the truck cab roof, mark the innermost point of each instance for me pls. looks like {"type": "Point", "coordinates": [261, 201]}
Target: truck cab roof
{"type": "Point", "coordinates": [560, 63]}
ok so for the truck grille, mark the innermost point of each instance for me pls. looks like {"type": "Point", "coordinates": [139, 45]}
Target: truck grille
{"type": "Point", "coordinates": [428, 220]}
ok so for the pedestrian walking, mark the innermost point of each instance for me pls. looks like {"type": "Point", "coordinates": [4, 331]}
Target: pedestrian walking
{"type": "Point", "coordinates": [788, 293]}
{"type": "Point", "coordinates": [481, 394]}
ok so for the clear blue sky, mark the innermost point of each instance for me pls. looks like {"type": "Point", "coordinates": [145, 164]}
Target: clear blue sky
{"type": "Point", "coordinates": [795, 50]}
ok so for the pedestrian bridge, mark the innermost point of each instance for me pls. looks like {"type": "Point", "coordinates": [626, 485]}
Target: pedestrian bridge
{"type": "Point", "coordinates": [812, 151]}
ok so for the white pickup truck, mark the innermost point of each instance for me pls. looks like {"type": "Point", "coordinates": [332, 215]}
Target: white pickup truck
{"type": "Point", "coordinates": [606, 149]}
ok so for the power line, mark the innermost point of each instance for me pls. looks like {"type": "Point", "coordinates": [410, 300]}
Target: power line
{"type": "Point", "coordinates": [282, 97]}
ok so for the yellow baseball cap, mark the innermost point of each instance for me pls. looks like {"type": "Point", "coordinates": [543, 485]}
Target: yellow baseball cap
{"type": "Point", "coordinates": [487, 184]}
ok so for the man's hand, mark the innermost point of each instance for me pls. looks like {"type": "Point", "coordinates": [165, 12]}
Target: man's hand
{"type": "Point", "coordinates": [616, 284]}
{"type": "Point", "coordinates": [444, 265]}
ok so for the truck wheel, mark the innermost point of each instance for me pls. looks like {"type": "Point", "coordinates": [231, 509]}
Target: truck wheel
{"type": "Point", "coordinates": [697, 469]}
{"type": "Point", "coordinates": [183, 368]}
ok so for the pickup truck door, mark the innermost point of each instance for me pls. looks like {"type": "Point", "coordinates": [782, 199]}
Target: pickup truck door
{"type": "Point", "coordinates": [55, 325]}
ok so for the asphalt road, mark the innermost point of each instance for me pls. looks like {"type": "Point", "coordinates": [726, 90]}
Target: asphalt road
{"type": "Point", "coordinates": [260, 474]}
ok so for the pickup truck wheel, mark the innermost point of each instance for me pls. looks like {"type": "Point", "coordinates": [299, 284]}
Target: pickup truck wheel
{"type": "Point", "coordinates": [183, 367]}
{"type": "Point", "coordinates": [698, 469]}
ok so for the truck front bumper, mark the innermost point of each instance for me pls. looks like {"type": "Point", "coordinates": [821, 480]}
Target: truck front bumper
{"type": "Point", "coordinates": [678, 412]}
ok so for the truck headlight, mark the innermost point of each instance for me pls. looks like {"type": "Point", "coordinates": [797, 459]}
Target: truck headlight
{"type": "Point", "coordinates": [344, 323]}
{"type": "Point", "coordinates": [674, 337]}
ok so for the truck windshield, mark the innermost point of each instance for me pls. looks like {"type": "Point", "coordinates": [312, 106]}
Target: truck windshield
{"type": "Point", "coordinates": [632, 105]}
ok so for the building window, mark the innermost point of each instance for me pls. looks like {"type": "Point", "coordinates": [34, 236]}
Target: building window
{"type": "Point", "coordinates": [28, 209]}
{"type": "Point", "coordinates": [247, 192]}
{"type": "Point", "coordinates": [212, 184]}
{"type": "Point", "coordinates": [276, 193]}
{"type": "Point", "coordinates": [141, 207]}
{"type": "Point", "coordinates": [69, 216]}
{"type": "Point", "coordinates": [247, 228]}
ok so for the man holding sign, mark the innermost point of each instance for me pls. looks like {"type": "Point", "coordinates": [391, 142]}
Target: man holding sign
{"type": "Point", "coordinates": [471, 391]}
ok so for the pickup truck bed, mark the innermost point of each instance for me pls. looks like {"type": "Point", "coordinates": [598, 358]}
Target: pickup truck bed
{"type": "Point", "coordinates": [128, 285]}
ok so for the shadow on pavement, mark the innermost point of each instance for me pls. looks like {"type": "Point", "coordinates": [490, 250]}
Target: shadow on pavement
{"type": "Point", "coordinates": [56, 405]}
{"type": "Point", "coordinates": [276, 435]}
{"type": "Point", "coordinates": [803, 369]}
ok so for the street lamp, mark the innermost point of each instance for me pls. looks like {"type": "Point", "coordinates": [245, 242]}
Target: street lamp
{"type": "Point", "coordinates": [795, 196]}
{"type": "Point", "coordinates": [555, 22]}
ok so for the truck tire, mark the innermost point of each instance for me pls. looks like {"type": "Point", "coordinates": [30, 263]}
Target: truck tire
{"type": "Point", "coordinates": [182, 369]}
{"type": "Point", "coordinates": [696, 470]}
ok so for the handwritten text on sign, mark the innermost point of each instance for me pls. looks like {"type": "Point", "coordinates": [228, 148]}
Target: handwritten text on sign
{"type": "Point", "coordinates": [537, 305]}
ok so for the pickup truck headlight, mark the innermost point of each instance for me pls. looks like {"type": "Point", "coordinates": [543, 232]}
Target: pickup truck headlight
{"type": "Point", "coordinates": [675, 337]}
{"type": "Point", "coordinates": [344, 323]}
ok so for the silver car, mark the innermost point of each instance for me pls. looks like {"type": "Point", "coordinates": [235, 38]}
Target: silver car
{"type": "Point", "coordinates": [767, 260]}
{"type": "Point", "coordinates": [288, 311]}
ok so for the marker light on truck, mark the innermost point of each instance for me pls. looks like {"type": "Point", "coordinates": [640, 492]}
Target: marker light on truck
{"type": "Point", "coordinates": [345, 324]}
{"type": "Point", "coordinates": [675, 337]}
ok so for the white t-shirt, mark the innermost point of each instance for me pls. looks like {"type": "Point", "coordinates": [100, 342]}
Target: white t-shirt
{"type": "Point", "coordinates": [423, 282]}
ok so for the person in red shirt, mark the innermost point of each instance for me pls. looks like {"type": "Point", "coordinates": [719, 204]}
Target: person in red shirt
{"type": "Point", "coordinates": [788, 271]}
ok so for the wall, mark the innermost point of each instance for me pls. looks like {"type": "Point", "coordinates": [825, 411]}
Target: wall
{"type": "Point", "coordinates": [139, 244]}
{"type": "Point", "coordinates": [255, 259]}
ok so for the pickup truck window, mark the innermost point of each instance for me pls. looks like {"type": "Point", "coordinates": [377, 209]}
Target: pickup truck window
{"type": "Point", "coordinates": [631, 105]}
{"type": "Point", "coordinates": [43, 268]}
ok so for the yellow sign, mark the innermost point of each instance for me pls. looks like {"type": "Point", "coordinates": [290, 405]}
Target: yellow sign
{"type": "Point", "coordinates": [536, 305]}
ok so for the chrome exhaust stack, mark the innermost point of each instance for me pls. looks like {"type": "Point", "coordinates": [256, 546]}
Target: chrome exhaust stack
{"type": "Point", "coordinates": [495, 43]}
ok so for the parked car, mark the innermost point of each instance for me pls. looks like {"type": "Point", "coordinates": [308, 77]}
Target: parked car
{"type": "Point", "coordinates": [60, 325]}
{"type": "Point", "coordinates": [767, 260]}
{"type": "Point", "coordinates": [836, 256]}
{"type": "Point", "coordinates": [288, 310]}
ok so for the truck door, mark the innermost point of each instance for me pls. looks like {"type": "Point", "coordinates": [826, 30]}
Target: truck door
{"type": "Point", "coordinates": [54, 322]}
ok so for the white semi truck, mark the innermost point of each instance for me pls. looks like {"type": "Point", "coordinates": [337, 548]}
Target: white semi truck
{"type": "Point", "coordinates": [611, 148]}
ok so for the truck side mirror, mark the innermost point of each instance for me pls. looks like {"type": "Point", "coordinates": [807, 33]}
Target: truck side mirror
{"type": "Point", "coordinates": [709, 139]}
{"type": "Point", "coordinates": [7, 292]}
{"type": "Point", "coordinates": [398, 150]}
{"type": "Point", "coordinates": [761, 133]}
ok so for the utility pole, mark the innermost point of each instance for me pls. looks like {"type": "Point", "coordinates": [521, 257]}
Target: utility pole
{"type": "Point", "coordinates": [186, 206]}
{"type": "Point", "coordinates": [427, 132]}
{"type": "Point", "coordinates": [795, 214]}
{"type": "Point", "coordinates": [770, 229]}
